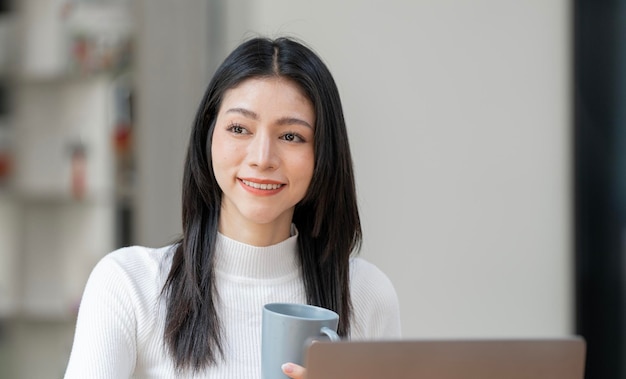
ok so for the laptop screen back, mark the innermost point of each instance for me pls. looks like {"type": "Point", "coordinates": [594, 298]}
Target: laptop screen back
{"type": "Point", "coordinates": [562, 358]}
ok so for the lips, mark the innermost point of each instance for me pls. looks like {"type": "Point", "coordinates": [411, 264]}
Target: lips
{"type": "Point", "coordinates": [262, 186]}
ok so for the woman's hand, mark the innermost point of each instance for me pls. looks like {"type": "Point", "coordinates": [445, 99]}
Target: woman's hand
{"type": "Point", "coordinates": [294, 371]}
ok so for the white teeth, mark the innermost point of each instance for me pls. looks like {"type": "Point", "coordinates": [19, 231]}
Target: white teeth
{"type": "Point", "coordinates": [261, 186]}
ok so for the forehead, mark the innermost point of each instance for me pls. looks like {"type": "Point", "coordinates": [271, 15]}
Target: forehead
{"type": "Point", "coordinates": [273, 90]}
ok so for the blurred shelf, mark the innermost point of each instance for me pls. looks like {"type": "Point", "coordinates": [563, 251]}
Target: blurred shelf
{"type": "Point", "coordinates": [45, 317]}
{"type": "Point", "coordinates": [38, 317]}
{"type": "Point", "coordinates": [61, 199]}
{"type": "Point", "coordinates": [66, 69]}
{"type": "Point", "coordinates": [8, 314]}
{"type": "Point", "coordinates": [62, 77]}
{"type": "Point", "coordinates": [112, 198]}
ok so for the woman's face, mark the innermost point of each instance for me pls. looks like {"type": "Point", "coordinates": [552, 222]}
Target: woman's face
{"type": "Point", "coordinates": [262, 152]}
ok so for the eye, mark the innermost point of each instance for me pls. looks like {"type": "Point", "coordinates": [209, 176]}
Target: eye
{"type": "Point", "coordinates": [292, 137]}
{"type": "Point", "coordinates": [237, 129]}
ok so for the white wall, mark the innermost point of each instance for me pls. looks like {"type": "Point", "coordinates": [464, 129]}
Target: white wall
{"type": "Point", "coordinates": [459, 119]}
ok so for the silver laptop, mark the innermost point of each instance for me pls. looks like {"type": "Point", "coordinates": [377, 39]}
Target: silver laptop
{"type": "Point", "coordinates": [560, 358]}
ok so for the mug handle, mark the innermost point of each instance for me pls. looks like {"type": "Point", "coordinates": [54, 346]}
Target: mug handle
{"type": "Point", "coordinates": [334, 337]}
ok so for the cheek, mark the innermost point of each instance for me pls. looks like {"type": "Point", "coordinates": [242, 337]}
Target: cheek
{"type": "Point", "coordinates": [221, 150]}
{"type": "Point", "coordinates": [217, 146]}
{"type": "Point", "coordinates": [219, 156]}
{"type": "Point", "coordinates": [304, 167]}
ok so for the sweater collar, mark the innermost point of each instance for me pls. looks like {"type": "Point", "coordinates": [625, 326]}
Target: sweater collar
{"type": "Point", "coordinates": [238, 259]}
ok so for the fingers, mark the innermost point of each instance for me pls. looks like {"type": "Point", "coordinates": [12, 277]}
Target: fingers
{"type": "Point", "coordinates": [293, 371]}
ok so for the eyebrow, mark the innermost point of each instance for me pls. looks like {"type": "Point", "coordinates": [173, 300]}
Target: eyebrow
{"type": "Point", "coordinates": [282, 121]}
{"type": "Point", "coordinates": [244, 112]}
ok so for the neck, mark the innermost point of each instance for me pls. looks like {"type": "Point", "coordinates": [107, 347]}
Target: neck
{"type": "Point", "coordinates": [255, 234]}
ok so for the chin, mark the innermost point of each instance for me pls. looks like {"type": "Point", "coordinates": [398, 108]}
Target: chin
{"type": "Point", "coordinates": [263, 220]}
{"type": "Point", "coordinates": [266, 217]}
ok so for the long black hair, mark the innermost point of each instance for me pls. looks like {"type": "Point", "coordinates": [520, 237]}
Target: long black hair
{"type": "Point", "coordinates": [327, 218]}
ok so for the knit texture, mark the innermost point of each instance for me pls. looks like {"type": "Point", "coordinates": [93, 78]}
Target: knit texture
{"type": "Point", "coordinates": [119, 331]}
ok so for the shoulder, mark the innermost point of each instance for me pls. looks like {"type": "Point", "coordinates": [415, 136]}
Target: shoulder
{"type": "Point", "coordinates": [118, 312]}
{"type": "Point", "coordinates": [136, 271]}
{"type": "Point", "coordinates": [367, 277]}
{"type": "Point", "coordinates": [127, 283]}
{"type": "Point", "coordinates": [374, 300]}
{"type": "Point", "coordinates": [136, 260]}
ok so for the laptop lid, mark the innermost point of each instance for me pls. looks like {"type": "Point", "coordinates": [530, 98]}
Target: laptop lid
{"type": "Point", "coordinates": [562, 358]}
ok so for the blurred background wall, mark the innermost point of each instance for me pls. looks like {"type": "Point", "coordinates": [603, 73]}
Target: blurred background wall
{"type": "Point", "coordinates": [460, 121]}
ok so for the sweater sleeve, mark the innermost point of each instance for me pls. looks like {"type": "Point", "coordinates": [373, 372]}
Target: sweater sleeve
{"type": "Point", "coordinates": [105, 337]}
{"type": "Point", "coordinates": [376, 310]}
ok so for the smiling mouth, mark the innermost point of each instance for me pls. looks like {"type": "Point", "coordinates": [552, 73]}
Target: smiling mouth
{"type": "Point", "coordinates": [262, 186]}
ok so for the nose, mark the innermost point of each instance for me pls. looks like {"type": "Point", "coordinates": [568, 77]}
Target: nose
{"type": "Point", "coordinates": [262, 152]}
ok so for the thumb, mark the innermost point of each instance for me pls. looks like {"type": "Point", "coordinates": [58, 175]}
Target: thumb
{"type": "Point", "coordinates": [293, 370]}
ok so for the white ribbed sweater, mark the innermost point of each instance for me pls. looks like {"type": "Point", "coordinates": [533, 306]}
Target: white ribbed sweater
{"type": "Point", "coordinates": [119, 331]}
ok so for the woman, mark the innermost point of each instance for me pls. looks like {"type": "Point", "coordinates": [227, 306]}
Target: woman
{"type": "Point", "coordinates": [269, 215]}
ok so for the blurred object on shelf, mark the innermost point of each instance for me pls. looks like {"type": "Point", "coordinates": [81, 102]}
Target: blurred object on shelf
{"type": "Point", "coordinates": [98, 35]}
{"type": "Point", "coordinates": [6, 154]}
{"type": "Point", "coordinates": [79, 170]}
{"type": "Point", "coordinates": [122, 137]}
{"type": "Point", "coordinates": [122, 115]}
{"type": "Point", "coordinates": [6, 165]}
{"type": "Point", "coordinates": [48, 165]}
{"type": "Point", "coordinates": [6, 137]}
{"type": "Point", "coordinates": [65, 37]}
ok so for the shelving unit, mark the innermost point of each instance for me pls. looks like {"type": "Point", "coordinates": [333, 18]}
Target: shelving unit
{"type": "Point", "coordinates": [71, 169]}
{"type": "Point", "coordinates": [9, 215]}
